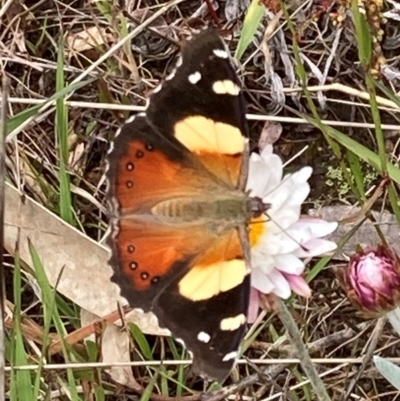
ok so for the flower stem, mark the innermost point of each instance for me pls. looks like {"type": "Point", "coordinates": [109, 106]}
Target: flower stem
{"type": "Point", "coordinates": [302, 353]}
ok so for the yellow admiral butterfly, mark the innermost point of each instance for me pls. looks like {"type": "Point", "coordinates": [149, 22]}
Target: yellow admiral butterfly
{"type": "Point", "coordinates": [179, 211]}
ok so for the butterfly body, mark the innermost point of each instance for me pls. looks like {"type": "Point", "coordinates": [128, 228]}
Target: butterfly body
{"type": "Point", "coordinates": [211, 209]}
{"type": "Point", "coordinates": [179, 211]}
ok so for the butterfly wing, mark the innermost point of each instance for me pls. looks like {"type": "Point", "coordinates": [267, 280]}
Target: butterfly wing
{"type": "Point", "coordinates": [201, 104]}
{"type": "Point", "coordinates": [148, 253]}
{"type": "Point", "coordinates": [189, 143]}
{"type": "Point", "coordinates": [211, 329]}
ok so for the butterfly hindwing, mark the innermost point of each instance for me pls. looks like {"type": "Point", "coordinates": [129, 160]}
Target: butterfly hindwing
{"type": "Point", "coordinates": [212, 330]}
{"type": "Point", "coordinates": [177, 203]}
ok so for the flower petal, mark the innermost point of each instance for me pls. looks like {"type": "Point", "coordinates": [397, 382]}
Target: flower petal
{"type": "Point", "coordinates": [258, 179]}
{"type": "Point", "coordinates": [254, 305]}
{"type": "Point", "coordinates": [289, 264]}
{"type": "Point", "coordinates": [261, 281]}
{"type": "Point", "coordinates": [315, 247]}
{"type": "Point", "coordinates": [277, 246]}
{"type": "Point", "coordinates": [318, 227]}
{"type": "Point", "coordinates": [281, 285]}
{"type": "Point", "coordinates": [298, 285]}
{"type": "Point", "coordinates": [265, 173]}
{"type": "Point", "coordinates": [263, 261]}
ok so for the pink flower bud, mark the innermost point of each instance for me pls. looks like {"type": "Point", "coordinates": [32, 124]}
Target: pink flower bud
{"type": "Point", "coordinates": [372, 280]}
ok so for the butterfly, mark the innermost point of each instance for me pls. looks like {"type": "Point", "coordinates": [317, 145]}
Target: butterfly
{"type": "Point", "coordinates": [179, 210]}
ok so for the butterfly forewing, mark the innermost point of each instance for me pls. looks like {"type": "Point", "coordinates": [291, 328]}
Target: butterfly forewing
{"type": "Point", "coordinates": [201, 104]}
{"type": "Point", "coordinates": [178, 214]}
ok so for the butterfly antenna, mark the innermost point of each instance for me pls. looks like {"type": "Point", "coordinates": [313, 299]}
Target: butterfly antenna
{"type": "Point", "coordinates": [3, 122]}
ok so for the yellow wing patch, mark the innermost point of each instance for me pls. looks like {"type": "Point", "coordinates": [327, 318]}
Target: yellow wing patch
{"type": "Point", "coordinates": [232, 323]}
{"type": "Point", "coordinates": [226, 87]}
{"type": "Point", "coordinates": [205, 282]}
{"type": "Point", "coordinates": [199, 134]}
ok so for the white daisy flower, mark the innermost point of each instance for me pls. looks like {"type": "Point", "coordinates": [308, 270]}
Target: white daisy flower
{"type": "Point", "coordinates": [281, 239]}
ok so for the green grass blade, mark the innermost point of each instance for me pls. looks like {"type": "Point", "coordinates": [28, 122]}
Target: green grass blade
{"type": "Point", "coordinates": [181, 374]}
{"type": "Point", "coordinates": [148, 392]}
{"type": "Point", "coordinates": [389, 94]}
{"type": "Point", "coordinates": [252, 20]}
{"type": "Point", "coordinates": [357, 174]}
{"type": "Point", "coordinates": [21, 381]}
{"type": "Point", "coordinates": [99, 393]}
{"type": "Point", "coordinates": [363, 34]}
{"type": "Point", "coordinates": [14, 122]}
{"type": "Point", "coordinates": [376, 117]}
{"type": "Point", "coordinates": [164, 385]}
{"type": "Point", "coordinates": [394, 201]}
{"type": "Point", "coordinates": [358, 149]}
{"type": "Point", "coordinates": [61, 125]}
{"type": "Point", "coordinates": [141, 341]}
{"type": "Point", "coordinates": [48, 295]}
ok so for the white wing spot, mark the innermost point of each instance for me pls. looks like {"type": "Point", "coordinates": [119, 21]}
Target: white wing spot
{"type": "Point", "coordinates": [220, 53]}
{"type": "Point", "coordinates": [203, 337]}
{"type": "Point", "coordinates": [232, 323]}
{"type": "Point", "coordinates": [194, 78]}
{"type": "Point", "coordinates": [226, 87]}
{"type": "Point", "coordinates": [229, 356]}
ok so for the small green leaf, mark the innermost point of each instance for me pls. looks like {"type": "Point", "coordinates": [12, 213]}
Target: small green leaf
{"type": "Point", "coordinates": [141, 341]}
{"type": "Point", "coordinates": [363, 34]}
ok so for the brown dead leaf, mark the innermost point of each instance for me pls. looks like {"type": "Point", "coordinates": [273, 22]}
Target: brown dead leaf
{"type": "Point", "coordinates": [90, 38]}
{"type": "Point", "coordinates": [114, 348]}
